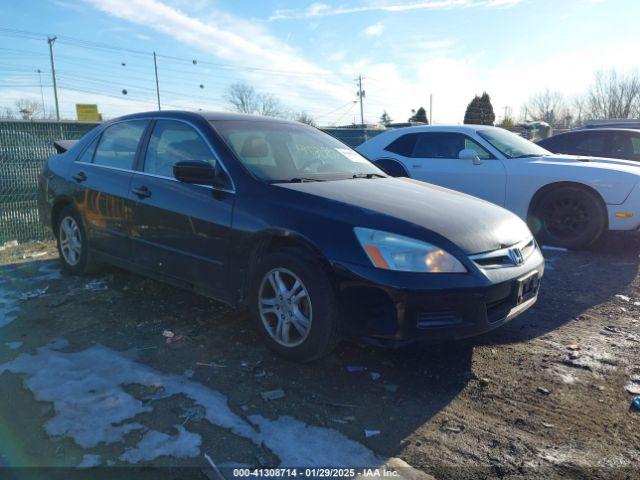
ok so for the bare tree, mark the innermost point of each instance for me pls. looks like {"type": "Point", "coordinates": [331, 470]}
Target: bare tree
{"type": "Point", "coordinates": [547, 106]}
{"type": "Point", "coordinates": [269, 105]}
{"type": "Point", "coordinates": [7, 112]}
{"type": "Point", "coordinates": [304, 117]}
{"type": "Point", "coordinates": [613, 95]}
{"type": "Point", "coordinates": [243, 98]}
{"type": "Point", "coordinates": [28, 108]}
{"type": "Point", "coordinates": [579, 107]}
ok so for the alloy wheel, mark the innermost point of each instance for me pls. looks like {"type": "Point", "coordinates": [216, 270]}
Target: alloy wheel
{"type": "Point", "coordinates": [70, 241]}
{"type": "Point", "coordinates": [568, 218]}
{"type": "Point", "coordinates": [285, 307]}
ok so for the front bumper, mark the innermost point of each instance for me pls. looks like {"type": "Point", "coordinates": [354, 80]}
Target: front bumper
{"type": "Point", "coordinates": [396, 308]}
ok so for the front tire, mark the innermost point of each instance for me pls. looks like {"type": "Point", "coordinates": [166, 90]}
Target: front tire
{"type": "Point", "coordinates": [295, 306]}
{"type": "Point", "coordinates": [73, 246]}
{"type": "Point", "coordinates": [570, 217]}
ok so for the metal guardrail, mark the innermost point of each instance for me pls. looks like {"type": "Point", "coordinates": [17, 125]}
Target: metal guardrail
{"type": "Point", "coordinates": [25, 145]}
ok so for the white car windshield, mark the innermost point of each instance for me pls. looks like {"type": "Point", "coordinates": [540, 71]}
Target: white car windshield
{"type": "Point", "coordinates": [287, 152]}
{"type": "Point", "coordinates": [512, 145]}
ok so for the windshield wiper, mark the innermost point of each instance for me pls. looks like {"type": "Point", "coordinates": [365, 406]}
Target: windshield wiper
{"type": "Point", "coordinates": [298, 180]}
{"type": "Point", "coordinates": [368, 175]}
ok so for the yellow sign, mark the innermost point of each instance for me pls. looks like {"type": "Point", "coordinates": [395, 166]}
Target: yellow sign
{"type": "Point", "coordinates": [87, 112]}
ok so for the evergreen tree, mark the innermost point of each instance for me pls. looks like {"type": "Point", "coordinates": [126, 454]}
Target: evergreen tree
{"type": "Point", "coordinates": [419, 115]}
{"type": "Point", "coordinates": [480, 111]}
{"type": "Point", "coordinates": [385, 119]}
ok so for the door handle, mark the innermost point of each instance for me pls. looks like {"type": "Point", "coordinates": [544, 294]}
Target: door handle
{"type": "Point", "coordinates": [142, 192]}
{"type": "Point", "coordinates": [79, 177]}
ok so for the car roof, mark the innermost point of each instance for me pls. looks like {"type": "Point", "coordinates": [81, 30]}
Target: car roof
{"type": "Point", "coordinates": [595, 130]}
{"type": "Point", "coordinates": [444, 128]}
{"type": "Point", "coordinates": [206, 115]}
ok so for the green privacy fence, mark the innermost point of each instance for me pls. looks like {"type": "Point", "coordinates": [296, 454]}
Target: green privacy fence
{"type": "Point", "coordinates": [24, 145]}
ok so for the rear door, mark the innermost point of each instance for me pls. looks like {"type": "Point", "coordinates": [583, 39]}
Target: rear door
{"type": "Point", "coordinates": [180, 230]}
{"type": "Point", "coordinates": [102, 174]}
{"type": "Point", "coordinates": [434, 159]}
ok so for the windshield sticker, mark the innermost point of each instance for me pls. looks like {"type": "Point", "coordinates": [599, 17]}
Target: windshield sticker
{"type": "Point", "coordinates": [351, 155]}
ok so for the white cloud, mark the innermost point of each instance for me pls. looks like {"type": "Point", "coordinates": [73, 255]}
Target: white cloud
{"type": "Point", "coordinates": [337, 56]}
{"type": "Point", "coordinates": [374, 30]}
{"type": "Point", "coordinates": [239, 42]}
{"type": "Point", "coordinates": [324, 10]}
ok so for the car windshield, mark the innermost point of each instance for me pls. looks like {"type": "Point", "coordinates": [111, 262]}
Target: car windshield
{"type": "Point", "coordinates": [512, 145]}
{"type": "Point", "coordinates": [287, 152]}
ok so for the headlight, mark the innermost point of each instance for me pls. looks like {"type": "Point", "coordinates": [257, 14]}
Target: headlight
{"type": "Point", "coordinates": [395, 252]}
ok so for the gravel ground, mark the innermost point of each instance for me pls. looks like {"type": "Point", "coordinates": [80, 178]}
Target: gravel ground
{"type": "Point", "coordinates": [545, 395]}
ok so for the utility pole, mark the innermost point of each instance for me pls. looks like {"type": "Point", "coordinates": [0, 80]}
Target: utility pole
{"type": "Point", "coordinates": [44, 110]}
{"type": "Point", "coordinates": [155, 66]}
{"type": "Point", "coordinates": [431, 109]}
{"type": "Point", "coordinates": [360, 97]}
{"type": "Point", "coordinates": [50, 41]}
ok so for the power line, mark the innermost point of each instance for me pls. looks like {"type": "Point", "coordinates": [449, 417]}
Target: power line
{"type": "Point", "coordinates": [139, 74]}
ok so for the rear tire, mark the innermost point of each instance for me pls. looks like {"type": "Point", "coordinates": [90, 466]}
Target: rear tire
{"type": "Point", "coordinates": [295, 305]}
{"type": "Point", "coordinates": [73, 246]}
{"type": "Point", "coordinates": [570, 217]}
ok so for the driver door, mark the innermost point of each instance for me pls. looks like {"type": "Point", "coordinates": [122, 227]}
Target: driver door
{"type": "Point", "coordinates": [180, 230]}
{"type": "Point", "coordinates": [434, 159]}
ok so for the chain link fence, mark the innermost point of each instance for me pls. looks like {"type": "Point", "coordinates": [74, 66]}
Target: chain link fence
{"type": "Point", "coordinates": [24, 146]}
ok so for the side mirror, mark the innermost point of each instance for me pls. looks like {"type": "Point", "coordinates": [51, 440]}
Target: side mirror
{"type": "Point", "coordinates": [470, 154]}
{"type": "Point", "coordinates": [198, 172]}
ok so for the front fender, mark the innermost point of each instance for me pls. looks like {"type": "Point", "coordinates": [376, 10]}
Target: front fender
{"type": "Point", "coordinates": [523, 183]}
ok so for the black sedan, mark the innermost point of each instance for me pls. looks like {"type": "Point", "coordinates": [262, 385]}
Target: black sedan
{"type": "Point", "coordinates": [623, 143]}
{"type": "Point", "coordinates": [282, 219]}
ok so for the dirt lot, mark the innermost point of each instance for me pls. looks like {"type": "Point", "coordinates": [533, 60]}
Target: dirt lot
{"type": "Point", "coordinates": [86, 376]}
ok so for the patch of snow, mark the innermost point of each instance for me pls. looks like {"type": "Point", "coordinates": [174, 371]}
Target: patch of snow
{"type": "Point", "coordinates": [90, 460]}
{"type": "Point", "coordinates": [49, 271]}
{"type": "Point", "coordinates": [8, 308]}
{"type": "Point", "coordinates": [91, 406]}
{"type": "Point", "coordinates": [11, 290]}
{"type": "Point", "coordinates": [155, 444]}
{"type": "Point", "coordinates": [13, 345]}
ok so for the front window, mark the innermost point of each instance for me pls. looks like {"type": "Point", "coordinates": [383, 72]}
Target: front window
{"type": "Point", "coordinates": [286, 152]}
{"type": "Point", "coordinates": [512, 145]}
{"type": "Point", "coordinates": [173, 142]}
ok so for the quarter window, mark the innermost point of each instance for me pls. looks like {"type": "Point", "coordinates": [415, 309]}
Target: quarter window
{"type": "Point", "coordinates": [87, 155]}
{"type": "Point", "coordinates": [403, 145]}
{"type": "Point", "coordinates": [119, 143]}
{"type": "Point", "coordinates": [173, 142]}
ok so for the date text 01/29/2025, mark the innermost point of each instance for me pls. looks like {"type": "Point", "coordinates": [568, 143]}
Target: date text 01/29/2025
{"type": "Point", "coordinates": [314, 472]}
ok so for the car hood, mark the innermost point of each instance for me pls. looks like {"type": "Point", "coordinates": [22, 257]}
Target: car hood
{"type": "Point", "coordinates": [473, 225]}
{"type": "Point", "coordinates": [616, 164]}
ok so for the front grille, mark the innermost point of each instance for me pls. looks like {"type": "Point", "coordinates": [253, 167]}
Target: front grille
{"type": "Point", "coordinates": [503, 257]}
{"type": "Point", "coordinates": [444, 318]}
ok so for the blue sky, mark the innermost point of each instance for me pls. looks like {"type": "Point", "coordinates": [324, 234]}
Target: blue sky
{"type": "Point", "coordinates": [309, 53]}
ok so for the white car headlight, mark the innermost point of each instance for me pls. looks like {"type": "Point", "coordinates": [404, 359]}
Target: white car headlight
{"type": "Point", "coordinates": [390, 251]}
